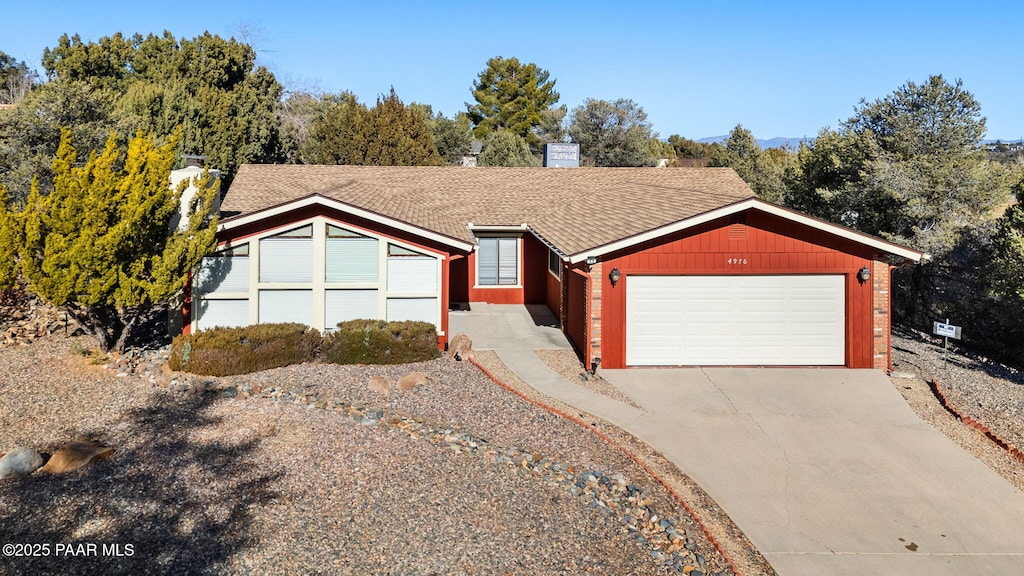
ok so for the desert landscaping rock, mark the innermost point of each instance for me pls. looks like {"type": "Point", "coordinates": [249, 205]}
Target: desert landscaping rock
{"type": "Point", "coordinates": [411, 380]}
{"type": "Point", "coordinates": [987, 391]}
{"type": "Point", "coordinates": [20, 461]}
{"type": "Point", "coordinates": [308, 470]}
{"type": "Point", "coordinates": [460, 348]}
{"type": "Point", "coordinates": [74, 455]}
{"type": "Point", "coordinates": [380, 385]}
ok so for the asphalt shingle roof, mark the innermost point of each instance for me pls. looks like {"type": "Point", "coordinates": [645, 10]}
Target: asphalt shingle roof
{"type": "Point", "coordinates": [575, 209]}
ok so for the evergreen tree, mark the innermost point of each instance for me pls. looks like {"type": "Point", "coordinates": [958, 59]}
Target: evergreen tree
{"type": "Point", "coordinates": [338, 135]}
{"type": "Point", "coordinates": [209, 87]}
{"type": "Point", "coordinates": [767, 172]}
{"type": "Point", "coordinates": [16, 79]}
{"type": "Point", "coordinates": [100, 245]}
{"type": "Point", "coordinates": [453, 137]}
{"type": "Point", "coordinates": [613, 133]}
{"type": "Point", "coordinates": [10, 239]}
{"type": "Point", "coordinates": [503, 148]}
{"type": "Point", "coordinates": [399, 136]}
{"type": "Point", "coordinates": [389, 134]}
{"type": "Point", "coordinates": [514, 97]}
{"type": "Point", "coordinates": [30, 132]}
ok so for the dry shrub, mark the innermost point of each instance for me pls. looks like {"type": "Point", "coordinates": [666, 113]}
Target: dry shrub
{"type": "Point", "coordinates": [380, 342]}
{"type": "Point", "coordinates": [229, 351]}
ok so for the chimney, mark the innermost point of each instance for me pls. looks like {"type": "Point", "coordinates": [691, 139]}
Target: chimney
{"type": "Point", "coordinates": [561, 155]}
{"type": "Point", "coordinates": [194, 160]}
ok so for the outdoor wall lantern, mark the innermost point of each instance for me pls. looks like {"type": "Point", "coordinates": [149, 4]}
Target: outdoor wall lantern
{"type": "Point", "coordinates": [614, 276]}
{"type": "Point", "coordinates": [864, 274]}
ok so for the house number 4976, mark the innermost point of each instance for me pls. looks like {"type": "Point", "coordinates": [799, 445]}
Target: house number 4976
{"type": "Point", "coordinates": [735, 261]}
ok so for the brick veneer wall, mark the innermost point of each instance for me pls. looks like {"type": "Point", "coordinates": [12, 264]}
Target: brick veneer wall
{"type": "Point", "coordinates": [880, 313]}
{"type": "Point", "coordinates": [594, 309]}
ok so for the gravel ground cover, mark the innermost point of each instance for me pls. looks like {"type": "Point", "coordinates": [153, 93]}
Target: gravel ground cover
{"type": "Point", "coordinates": [568, 365]}
{"type": "Point", "coordinates": [306, 470]}
{"type": "Point", "coordinates": [987, 391]}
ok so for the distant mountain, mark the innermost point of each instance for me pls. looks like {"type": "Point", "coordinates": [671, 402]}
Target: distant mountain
{"type": "Point", "coordinates": [777, 142]}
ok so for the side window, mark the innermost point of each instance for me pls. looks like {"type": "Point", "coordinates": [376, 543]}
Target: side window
{"type": "Point", "coordinates": [554, 263]}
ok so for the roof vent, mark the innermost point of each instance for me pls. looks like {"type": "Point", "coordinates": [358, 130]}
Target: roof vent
{"type": "Point", "coordinates": [738, 227]}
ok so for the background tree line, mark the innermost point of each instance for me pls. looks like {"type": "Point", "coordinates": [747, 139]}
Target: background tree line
{"type": "Point", "coordinates": [909, 167]}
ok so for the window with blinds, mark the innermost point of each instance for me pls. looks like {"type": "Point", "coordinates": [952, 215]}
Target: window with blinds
{"type": "Point", "coordinates": [342, 305]}
{"type": "Point", "coordinates": [416, 309]}
{"type": "Point", "coordinates": [225, 313]}
{"type": "Point", "coordinates": [286, 306]}
{"type": "Point", "coordinates": [351, 257]}
{"type": "Point", "coordinates": [224, 271]}
{"type": "Point", "coordinates": [410, 271]}
{"type": "Point", "coordinates": [498, 261]}
{"type": "Point", "coordinates": [288, 256]}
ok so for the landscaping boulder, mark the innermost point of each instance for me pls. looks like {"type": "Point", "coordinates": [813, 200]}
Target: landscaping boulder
{"type": "Point", "coordinates": [461, 347]}
{"type": "Point", "coordinates": [380, 385]}
{"type": "Point", "coordinates": [20, 461]}
{"type": "Point", "coordinates": [76, 454]}
{"type": "Point", "coordinates": [411, 380]}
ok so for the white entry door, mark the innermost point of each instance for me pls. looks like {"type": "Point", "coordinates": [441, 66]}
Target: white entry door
{"type": "Point", "coordinates": [735, 320]}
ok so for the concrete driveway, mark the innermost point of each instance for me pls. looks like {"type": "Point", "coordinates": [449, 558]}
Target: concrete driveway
{"type": "Point", "coordinates": [828, 471]}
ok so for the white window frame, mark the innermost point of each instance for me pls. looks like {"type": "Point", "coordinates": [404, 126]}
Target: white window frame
{"type": "Point", "coordinates": [519, 263]}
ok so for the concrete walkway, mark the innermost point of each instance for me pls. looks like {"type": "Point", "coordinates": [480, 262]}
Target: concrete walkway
{"type": "Point", "coordinates": [827, 471]}
{"type": "Point", "coordinates": [514, 332]}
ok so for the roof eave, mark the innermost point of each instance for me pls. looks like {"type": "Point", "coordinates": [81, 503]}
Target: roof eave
{"type": "Point", "coordinates": [321, 200]}
{"type": "Point", "coordinates": [915, 256]}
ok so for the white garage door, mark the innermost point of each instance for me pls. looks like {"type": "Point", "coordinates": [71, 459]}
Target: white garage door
{"type": "Point", "coordinates": [735, 320]}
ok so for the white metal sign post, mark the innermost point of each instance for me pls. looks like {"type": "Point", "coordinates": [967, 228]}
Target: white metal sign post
{"type": "Point", "coordinates": [947, 331]}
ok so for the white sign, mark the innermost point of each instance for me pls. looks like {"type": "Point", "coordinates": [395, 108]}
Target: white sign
{"type": "Point", "coordinates": [947, 330]}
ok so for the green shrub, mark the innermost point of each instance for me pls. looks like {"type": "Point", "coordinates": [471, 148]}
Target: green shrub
{"type": "Point", "coordinates": [228, 351]}
{"type": "Point", "coordinates": [380, 342]}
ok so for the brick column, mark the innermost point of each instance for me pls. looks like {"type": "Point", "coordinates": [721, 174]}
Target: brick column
{"type": "Point", "coordinates": [881, 274]}
{"type": "Point", "coordinates": [594, 309]}
{"type": "Point", "coordinates": [563, 297]}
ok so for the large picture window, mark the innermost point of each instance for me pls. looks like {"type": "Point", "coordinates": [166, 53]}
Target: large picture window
{"type": "Point", "coordinates": [498, 261]}
{"type": "Point", "coordinates": [287, 257]}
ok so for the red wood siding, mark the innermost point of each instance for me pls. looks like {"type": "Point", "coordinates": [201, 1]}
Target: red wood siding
{"type": "Point", "coordinates": [535, 270]}
{"type": "Point", "coordinates": [496, 294]}
{"type": "Point", "coordinates": [760, 243]}
{"type": "Point", "coordinates": [459, 277]}
{"type": "Point", "coordinates": [284, 220]}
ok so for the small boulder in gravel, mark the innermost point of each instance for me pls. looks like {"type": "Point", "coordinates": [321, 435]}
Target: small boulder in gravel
{"type": "Point", "coordinates": [20, 461]}
{"type": "Point", "coordinates": [76, 454]}
{"type": "Point", "coordinates": [380, 385]}
{"type": "Point", "coordinates": [411, 380]}
{"type": "Point", "coordinates": [461, 347]}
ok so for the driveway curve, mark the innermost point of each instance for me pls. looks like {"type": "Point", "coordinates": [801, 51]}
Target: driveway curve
{"type": "Point", "coordinates": [828, 471]}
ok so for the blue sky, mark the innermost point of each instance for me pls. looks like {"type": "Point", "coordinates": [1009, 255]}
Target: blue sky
{"type": "Point", "coordinates": [784, 68]}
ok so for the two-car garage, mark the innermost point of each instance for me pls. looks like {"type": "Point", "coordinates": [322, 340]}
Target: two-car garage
{"type": "Point", "coordinates": [716, 320]}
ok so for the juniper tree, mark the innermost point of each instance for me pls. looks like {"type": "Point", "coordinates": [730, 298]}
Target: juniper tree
{"type": "Point", "coordinates": [101, 245]}
{"type": "Point", "coordinates": [503, 148]}
{"type": "Point", "coordinates": [9, 240]}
